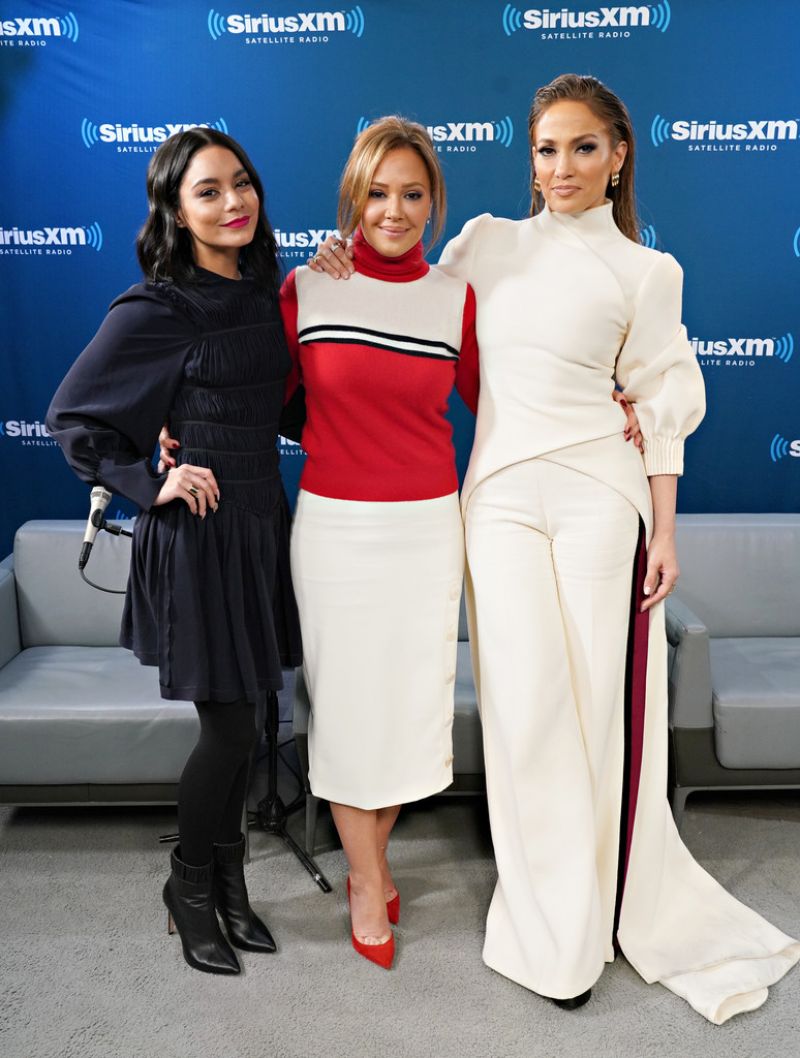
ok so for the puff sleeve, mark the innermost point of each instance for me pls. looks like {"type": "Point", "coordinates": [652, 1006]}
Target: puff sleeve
{"type": "Point", "coordinates": [658, 370]}
{"type": "Point", "coordinates": [458, 256]}
{"type": "Point", "coordinates": [107, 413]}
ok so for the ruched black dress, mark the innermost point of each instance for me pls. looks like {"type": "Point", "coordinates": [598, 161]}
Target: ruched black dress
{"type": "Point", "coordinates": [209, 601]}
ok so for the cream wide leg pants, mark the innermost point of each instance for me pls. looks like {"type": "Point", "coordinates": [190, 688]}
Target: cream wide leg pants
{"type": "Point", "coordinates": [550, 553]}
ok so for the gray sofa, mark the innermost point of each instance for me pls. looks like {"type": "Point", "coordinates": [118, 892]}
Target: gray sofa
{"type": "Point", "coordinates": [468, 768]}
{"type": "Point", "coordinates": [734, 632]}
{"type": "Point", "coordinates": [81, 721]}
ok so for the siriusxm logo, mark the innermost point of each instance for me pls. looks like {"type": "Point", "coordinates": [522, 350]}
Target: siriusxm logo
{"type": "Point", "coordinates": [28, 433]}
{"type": "Point", "coordinates": [463, 135]}
{"type": "Point", "coordinates": [744, 350]}
{"type": "Point", "coordinates": [752, 135]}
{"type": "Point", "coordinates": [59, 241]}
{"type": "Point", "coordinates": [608, 21]}
{"type": "Point", "coordinates": [648, 237]}
{"type": "Point", "coordinates": [295, 244]}
{"type": "Point", "coordinates": [796, 243]}
{"type": "Point", "coordinates": [31, 30]}
{"type": "Point", "coordinates": [281, 29]}
{"type": "Point", "coordinates": [779, 448]}
{"type": "Point", "coordinates": [135, 134]}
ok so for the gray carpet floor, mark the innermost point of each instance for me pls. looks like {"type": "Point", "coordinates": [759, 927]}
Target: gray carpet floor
{"type": "Point", "coordinates": [87, 969]}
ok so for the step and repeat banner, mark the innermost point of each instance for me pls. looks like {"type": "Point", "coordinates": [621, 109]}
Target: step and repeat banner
{"type": "Point", "coordinates": [88, 90]}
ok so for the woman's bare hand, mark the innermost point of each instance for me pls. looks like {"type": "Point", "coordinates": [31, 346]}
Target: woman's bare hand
{"type": "Point", "coordinates": [662, 570]}
{"type": "Point", "coordinates": [196, 486]}
{"type": "Point", "coordinates": [166, 445]}
{"type": "Point", "coordinates": [335, 257]}
{"type": "Point", "coordinates": [633, 431]}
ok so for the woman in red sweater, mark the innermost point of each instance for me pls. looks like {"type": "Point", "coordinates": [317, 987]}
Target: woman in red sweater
{"type": "Point", "coordinates": [377, 543]}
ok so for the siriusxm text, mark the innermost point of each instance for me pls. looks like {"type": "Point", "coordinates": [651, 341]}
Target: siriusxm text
{"type": "Point", "coordinates": [734, 347]}
{"type": "Point", "coordinates": [114, 133]}
{"type": "Point", "coordinates": [43, 237]}
{"type": "Point", "coordinates": [743, 130]}
{"type": "Point", "coordinates": [20, 428]}
{"type": "Point", "coordinates": [461, 131]}
{"type": "Point", "coordinates": [302, 22]}
{"type": "Point", "coordinates": [30, 27]}
{"type": "Point", "coordinates": [545, 18]}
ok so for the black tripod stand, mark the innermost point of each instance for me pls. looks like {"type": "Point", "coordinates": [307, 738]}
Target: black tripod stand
{"type": "Point", "coordinates": [272, 813]}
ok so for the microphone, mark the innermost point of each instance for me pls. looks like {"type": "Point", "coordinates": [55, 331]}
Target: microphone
{"type": "Point", "coordinates": [100, 499]}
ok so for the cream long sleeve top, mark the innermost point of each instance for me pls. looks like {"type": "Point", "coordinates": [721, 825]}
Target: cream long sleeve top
{"type": "Point", "coordinates": [567, 306]}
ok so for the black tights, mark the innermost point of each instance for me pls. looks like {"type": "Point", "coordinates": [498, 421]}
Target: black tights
{"type": "Point", "coordinates": [213, 785]}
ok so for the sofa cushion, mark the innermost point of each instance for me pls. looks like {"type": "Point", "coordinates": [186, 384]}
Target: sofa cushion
{"type": "Point", "coordinates": [56, 607]}
{"type": "Point", "coordinates": [740, 573]}
{"type": "Point", "coordinates": [756, 702]}
{"type": "Point", "coordinates": [89, 715]}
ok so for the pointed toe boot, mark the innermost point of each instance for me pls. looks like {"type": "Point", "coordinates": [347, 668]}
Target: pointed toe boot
{"type": "Point", "coordinates": [189, 897]}
{"type": "Point", "coordinates": [245, 928]}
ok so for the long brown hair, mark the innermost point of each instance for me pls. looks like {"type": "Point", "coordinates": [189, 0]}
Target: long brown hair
{"type": "Point", "coordinates": [371, 147]}
{"type": "Point", "coordinates": [610, 109]}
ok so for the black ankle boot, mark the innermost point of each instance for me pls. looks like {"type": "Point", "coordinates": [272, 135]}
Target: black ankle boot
{"type": "Point", "coordinates": [575, 1001]}
{"type": "Point", "coordinates": [245, 928]}
{"type": "Point", "coordinates": [190, 902]}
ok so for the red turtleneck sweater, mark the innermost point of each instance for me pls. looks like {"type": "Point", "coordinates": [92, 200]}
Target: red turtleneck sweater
{"type": "Point", "coordinates": [379, 356]}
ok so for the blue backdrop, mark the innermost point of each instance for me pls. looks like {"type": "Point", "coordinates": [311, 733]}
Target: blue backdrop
{"type": "Point", "coordinates": [88, 90]}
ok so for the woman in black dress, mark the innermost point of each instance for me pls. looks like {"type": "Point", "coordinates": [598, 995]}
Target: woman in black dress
{"type": "Point", "coordinates": [209, 599]}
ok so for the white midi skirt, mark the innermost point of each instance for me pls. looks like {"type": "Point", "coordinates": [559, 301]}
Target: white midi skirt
{"type": "Point", "coordinates": [378, 586]}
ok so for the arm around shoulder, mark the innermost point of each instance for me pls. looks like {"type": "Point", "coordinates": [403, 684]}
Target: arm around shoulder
{"type": "Point", "coordinates": [468, 370]}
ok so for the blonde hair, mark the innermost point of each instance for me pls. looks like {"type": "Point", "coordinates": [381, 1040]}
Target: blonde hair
{"type": "Point", "coordinates": [370, 148]}
{"type": "Point", "coordinates": [610, 109]}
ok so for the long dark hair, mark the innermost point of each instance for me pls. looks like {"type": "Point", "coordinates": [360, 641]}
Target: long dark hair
{"type": "Point", "coordinates": [164, 249]}
{"type": "Point", "coordinates": [610, 109]}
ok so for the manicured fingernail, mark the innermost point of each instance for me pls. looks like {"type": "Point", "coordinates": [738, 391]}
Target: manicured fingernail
{"type": "Point", "coordinates": [647, 589]}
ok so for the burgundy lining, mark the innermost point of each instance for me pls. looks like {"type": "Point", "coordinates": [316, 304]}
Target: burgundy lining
{"type": "Point", "coordinates": [635, 692]}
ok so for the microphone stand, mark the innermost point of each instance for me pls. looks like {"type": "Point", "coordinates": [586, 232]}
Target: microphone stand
{"type": "Point", "coordinates": [271, 812]}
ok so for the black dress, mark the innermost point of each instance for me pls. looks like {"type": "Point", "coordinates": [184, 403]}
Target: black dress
{"type": "Point", "coordinates": [209, 601]}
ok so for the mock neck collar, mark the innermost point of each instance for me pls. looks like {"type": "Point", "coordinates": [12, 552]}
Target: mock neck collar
{"type": "Point", "coordinates": [403, 269]}
{"type": "Point", "coordinates": [598, 221]}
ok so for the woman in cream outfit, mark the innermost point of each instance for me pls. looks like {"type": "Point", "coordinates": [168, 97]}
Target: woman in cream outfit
{"type": "Point", "coordinates": [571, 669]}
{"type": "Point", "coordinates": [570, 548]}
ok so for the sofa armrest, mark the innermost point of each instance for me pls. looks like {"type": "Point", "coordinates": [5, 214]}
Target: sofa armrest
{"type": "Point", "coordinates": [10, 644]}
{"type": "Point", "coordinates": [690, 672]}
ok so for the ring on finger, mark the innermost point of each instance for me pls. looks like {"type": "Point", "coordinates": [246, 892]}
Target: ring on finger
{"type": "Point", "coordinates": [194, 490]}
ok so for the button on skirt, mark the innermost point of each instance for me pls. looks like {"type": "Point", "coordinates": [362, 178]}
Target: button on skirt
{"type": "Point", "coordinates": [378, 586]}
